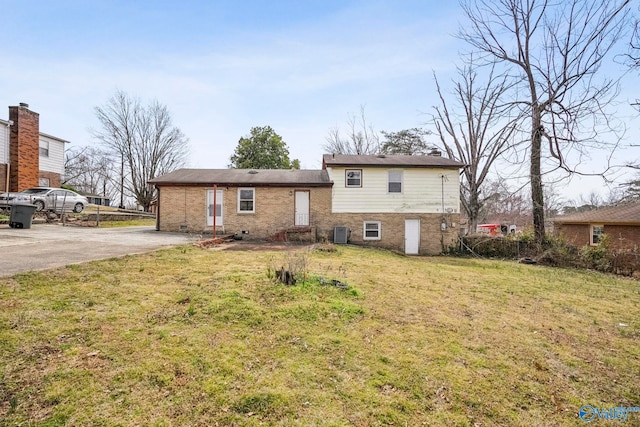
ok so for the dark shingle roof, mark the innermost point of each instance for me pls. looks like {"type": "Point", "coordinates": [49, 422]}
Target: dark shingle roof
{"type": "Point", "coordinates": [389, 160]}
{"type": "Point", "coordinates": [248, 177]}
{"type": "Point", "coordinates": [622, 214]}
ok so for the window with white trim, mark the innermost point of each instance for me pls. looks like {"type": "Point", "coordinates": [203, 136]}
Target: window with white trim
{"type": "Point", "coordinates": [246, 200]}
{"type": "Point", "coordinates": [395, 182]}
{"type": "Point", "coordinates": [596, 233]}
{"type": "Point", "coordinates": [372, 230]}
{"type": "Point", "coordinates": [353, 177]}
{"type": "Point", "coordinates": [44, 148]}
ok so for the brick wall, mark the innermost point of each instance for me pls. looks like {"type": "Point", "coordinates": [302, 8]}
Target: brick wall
{"type": "Point", "coordinates": [574, 234]}
{"type": "Point", "coordinates": [184, 209]}
{"type": "Point", "coordinates": [3, 177]}
{"type": "Point", "coordinates": [432, 239]}
{"type": "Point", "coordinates": [24, 148]}
{"type": "Point", "coordinates": [621, 237]}
{"type": "Point", "coordinates": [55, 180]}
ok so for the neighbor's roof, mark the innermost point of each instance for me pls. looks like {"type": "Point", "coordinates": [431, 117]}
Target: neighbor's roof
{"type": "Point", "coordinates": [248, 177]}
{"type": "Point", "coordinates": [383, 160]}
{"type": "Point", "coordinates": [622, 214]}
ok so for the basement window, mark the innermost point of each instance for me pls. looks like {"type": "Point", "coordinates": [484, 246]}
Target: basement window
{"type": "Point", "coordinates": [372, 230]}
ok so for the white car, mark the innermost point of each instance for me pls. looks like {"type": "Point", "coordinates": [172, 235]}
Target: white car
{"type": "Point", "coordinates": [46, 198]}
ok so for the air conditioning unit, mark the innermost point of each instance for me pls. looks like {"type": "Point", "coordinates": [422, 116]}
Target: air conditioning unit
{"type": "Point", "coordinates": [340, 235]}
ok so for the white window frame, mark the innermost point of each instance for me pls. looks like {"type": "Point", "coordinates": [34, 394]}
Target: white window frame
{"type": "Point", "coordinates": [44, 148]}
{"type": "Point", "coordinates": [253, 200]}
{"type": "Point", "coordinates": [346, 178]}
{"type": "Point", "coordinates": [592, 233]}
{"type": "Point", "coordinates": [378, 225]}
{"type": "Point", "coordinates": [395, 181]}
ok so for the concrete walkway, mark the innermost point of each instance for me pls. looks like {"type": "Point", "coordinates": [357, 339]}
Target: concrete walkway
{"type": "Point", "coordinates": [45, 246]}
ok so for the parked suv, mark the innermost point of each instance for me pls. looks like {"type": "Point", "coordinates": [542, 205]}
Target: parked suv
{"type": "Point", "coordinates": [46, 198]}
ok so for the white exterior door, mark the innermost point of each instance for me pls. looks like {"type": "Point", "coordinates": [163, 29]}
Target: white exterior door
{"type": "Point", "coordinates": [302, 208]}
{"type": "Point", "coordinates": [411, 236]}
{"type": "Point", "coordinates": [219, 210]}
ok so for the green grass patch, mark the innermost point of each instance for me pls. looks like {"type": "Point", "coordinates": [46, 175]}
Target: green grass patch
{"type": "Point", "coordinates": [186, 336]}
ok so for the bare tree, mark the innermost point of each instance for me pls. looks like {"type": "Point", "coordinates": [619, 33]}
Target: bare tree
{"type": "Point", "coordinates": [144, 139]}
{"type": "Point", "coordinates": [360, 137]}
{"type": "Point", "coordinates": [90, 170]}
{"type": "Point", "coordinates": [555, 50]}
{"type": "Point", "coordinates": [475, 128]}
{"type": "Point", "coordinates": [504, 204]}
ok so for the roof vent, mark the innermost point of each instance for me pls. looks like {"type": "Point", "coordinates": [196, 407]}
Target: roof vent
{"type": "Point", "coordinates": [381, 156]}
{"type": "Point", "coordinates": [435, 152]}
{"type": "Point", "coordinates": [253, 171]}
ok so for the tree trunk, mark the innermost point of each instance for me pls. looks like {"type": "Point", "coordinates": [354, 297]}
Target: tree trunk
{"type": "Point", "coordinates": [474, 210]}
{"type": "Point", "coordinates": [537, 194]}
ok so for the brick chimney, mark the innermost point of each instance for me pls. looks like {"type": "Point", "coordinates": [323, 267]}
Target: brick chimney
{"type": "Point", "coordinates": [24, 148]}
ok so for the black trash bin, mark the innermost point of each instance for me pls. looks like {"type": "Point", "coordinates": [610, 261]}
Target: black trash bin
{"type": "Point", "coordinates": [21, 215]}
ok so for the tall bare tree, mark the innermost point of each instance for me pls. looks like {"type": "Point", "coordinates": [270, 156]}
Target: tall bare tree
{"type": "Point", "coordinates": [144, 139]}
{"type": "Point", "coordinates": [90, 170]}
{"type": "Point", "coordinates": [475, 128]}
{"type": "Point", "coordinates": [360, 137]}
{"type": "Point", "coordinates": [555, 50]}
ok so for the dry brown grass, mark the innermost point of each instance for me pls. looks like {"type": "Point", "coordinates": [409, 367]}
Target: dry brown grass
{"type": "Point", "coordinates": [201, 337]}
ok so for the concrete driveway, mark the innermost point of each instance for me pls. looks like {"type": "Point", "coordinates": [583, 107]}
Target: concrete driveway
{"type": "Point", "coordinates": [45, 246]}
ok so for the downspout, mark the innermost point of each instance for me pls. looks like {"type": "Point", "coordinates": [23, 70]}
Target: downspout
{"type": "Point", "coordinates": [8, 158]}
{"type": "Point", "coordinates": [158, 208]}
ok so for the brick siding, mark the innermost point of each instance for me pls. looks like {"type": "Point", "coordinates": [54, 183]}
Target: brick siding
{"type": "Point", "coordinates": [183, 208]}
{"type": "Point", "coordinates": [24, 148]}
{"type": "Point", "coordinates": [55, 180]}
{"type": "Point", "coordinates": [3, 177]}
{"type": "Point", "coordinates": [621, 237]}
{"type": "Point", "coordinates": [432, 239]}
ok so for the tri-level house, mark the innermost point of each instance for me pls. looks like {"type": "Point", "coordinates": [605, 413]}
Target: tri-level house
{"type": "Point", "coordinates": [411, 203]}
{"type": "Point", "coordinates": [404, 203]}
{"type": "Point", "coordinates": [28, 157]}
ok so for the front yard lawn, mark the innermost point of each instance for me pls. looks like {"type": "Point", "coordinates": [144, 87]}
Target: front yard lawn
{"type": "Point", "coordinates": [196, 337]}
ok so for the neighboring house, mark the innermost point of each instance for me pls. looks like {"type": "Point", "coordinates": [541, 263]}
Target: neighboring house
{"type": "Point", "coordinates": [28, 157]}
{"type": "Point", "coordinates": [96, 199]}
{"type": "Point", "coordinates": [260, 204]}
{"type": "Point", "coordinates": [407, 203]}
{"type": "Point", "coordinates": [620, 223]}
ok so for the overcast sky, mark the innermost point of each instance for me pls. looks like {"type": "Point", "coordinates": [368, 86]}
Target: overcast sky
{"type": "Point", "coordinates": [222, 67]}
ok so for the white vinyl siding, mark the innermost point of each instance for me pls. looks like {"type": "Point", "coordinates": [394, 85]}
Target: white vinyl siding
{"type": "Point", "coordinates": [4, 144]}
{"type": "Point", "coordinates": [422, 191]}
{"type": "Point", "coordinates": [55, 161]}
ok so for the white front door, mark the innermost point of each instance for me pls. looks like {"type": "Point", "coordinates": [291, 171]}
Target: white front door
{"type": "Point", "coordinates": [219, 203]}
{"type": "Point", "coordinates": [411, 236]}
{"type": "Point", "coordinates": [302, 208]}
